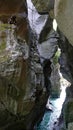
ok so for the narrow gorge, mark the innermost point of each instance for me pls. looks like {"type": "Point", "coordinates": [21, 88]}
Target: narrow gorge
{"type": "Point", "coordinates": [36, 70]}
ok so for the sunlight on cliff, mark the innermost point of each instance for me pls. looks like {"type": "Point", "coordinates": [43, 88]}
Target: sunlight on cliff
{"type": "Point", "coordinates": [54, 25]}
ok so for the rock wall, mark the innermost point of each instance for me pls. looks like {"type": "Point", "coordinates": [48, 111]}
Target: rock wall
{"type": "Point", "coordinates": [66, 70]}
{"type": "Point", "coordinates": [16, 12]}
{"type": "Point", "coordinates": [23, 96]}
{"type": "Point", "coordinates": [63, 15]}
{"type": "Point", "coordinates": [25, 61]}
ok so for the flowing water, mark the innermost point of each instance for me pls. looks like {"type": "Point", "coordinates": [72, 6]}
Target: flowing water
{"type": "Point", "coordinates": [50, 119]}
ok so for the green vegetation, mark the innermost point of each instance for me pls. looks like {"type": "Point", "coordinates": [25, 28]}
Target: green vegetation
{"type": "Point", "coordinates": [3, 53]}
{"type": "Point", "coordinates": [56, 57]}
{"type": "Point", "coordinates": [3, 26]}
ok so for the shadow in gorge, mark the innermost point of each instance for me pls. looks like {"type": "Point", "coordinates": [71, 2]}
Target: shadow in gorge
{"type": "Point", "coordinates": [47, 73]}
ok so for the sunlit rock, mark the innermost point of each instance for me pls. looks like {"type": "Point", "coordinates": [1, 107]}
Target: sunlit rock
{"type": "Point", "coordinates": [64, 14]}
{"type": "Point", "coordinates": [48, 48]}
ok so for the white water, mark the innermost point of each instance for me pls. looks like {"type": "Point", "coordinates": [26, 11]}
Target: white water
{"type": "Point", "coordinates": [51, 117]}
{"type": "Point", "coordinates": [57, 107]}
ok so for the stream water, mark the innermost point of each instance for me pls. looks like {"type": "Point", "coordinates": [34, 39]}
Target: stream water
{"type": "Point", "coordinates": [50, 120]}
{"type": "Point", "coordinates": [50, 117]}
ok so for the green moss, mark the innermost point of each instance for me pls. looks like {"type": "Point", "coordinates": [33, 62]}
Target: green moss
{"type": "Point", "coordinates": [3, 56]}
{"type": "Point", "coordinates": [3, 27]}
{"type": "Point", "coordinates": [56, 57]}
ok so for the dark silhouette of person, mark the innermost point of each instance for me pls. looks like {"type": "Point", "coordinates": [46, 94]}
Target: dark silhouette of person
{"type": "Point", "coordinates": [13, 20]}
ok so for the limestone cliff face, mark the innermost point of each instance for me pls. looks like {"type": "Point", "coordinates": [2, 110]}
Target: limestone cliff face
{"type": "Point", "coordinates": [67, 72]}
{"type": "Point", "coordinates": [63, 15]}
{"type": "Point", "coordinates": [23, 96]}
{"type": "Point", "coordinates": [13, 58]}
{"type": "Point", "coordinates": [14, 53]}
{"type": "Point", "coordinates": [13, 68]}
